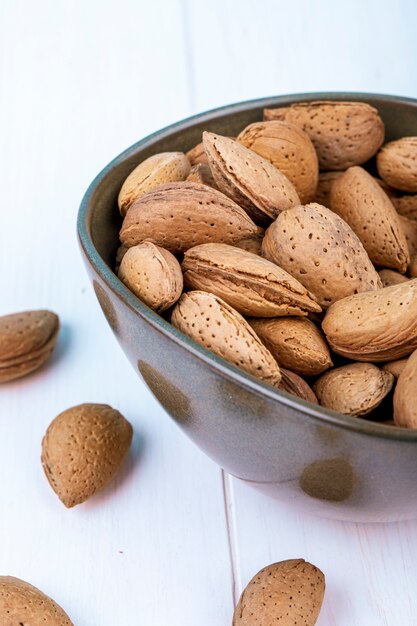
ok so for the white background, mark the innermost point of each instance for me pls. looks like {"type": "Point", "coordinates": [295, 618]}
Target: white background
{"type": "Point", "coordinates": [173, 540]}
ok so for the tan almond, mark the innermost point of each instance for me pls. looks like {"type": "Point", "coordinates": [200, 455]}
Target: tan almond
{"type": "Point", "coordinates": [359, 200]}
{"type": "Point", "coordinates": [295, 385]}
{"type": "Point", "coordinates": [197, 155]}
{"type": "Point", "coordinates": [249, 179]}
{"type": "Point", "coordinates": [159, 169]}
{"type": "Point", "coordinates": [212, 323]}
{"type": "Point", "coordinates": [252, 244]}
{"type": "Point", "coordinates": [179, 216]}
{"type": "Point", "coordinates": [201, 173]}
{"type": "Point", "coordinates": [395, 367]}
{"type": "Point", "coordinates": [391, 277]}
{"type": "Point", "coordinates": [83, 449]}
{"type": "Point", "coordinates": [250, 284]}
{"type": "Point", "coordinates": [324, 186]}
{"type": "Point", "coordinates": [121, 251]}
{"type": "Point", "coordinates": [407, 206]}
{"type": "Point", "coordinates": [397, 164]}
{"type": "Point", "coordinates": [412, 268]}
{"type": "Point", "coordinates": [153, 274]}
{"type": "Point", "coordinates": [27, 340]}
{"type": "Point", "coordinates": [319, 249]}
{"type": "Point", "coordinates": [343, 133]}
{"type": "Point", "coordinates": [355, 389]}
{"type": "Point", "coordinates": [409, 229]}
{"type": "Point", "coordinates": [21, 604]}
{"type": "Point", "coordinates": [405, 395]}
{"type": "Point", "coordinates": [290, 149]}
{"type": "Point", "coordinates": [286, 593]}
{"type": "Point", "coordinates": [295, 343]}
{"type": "Point", "coordinates": [376, 326]}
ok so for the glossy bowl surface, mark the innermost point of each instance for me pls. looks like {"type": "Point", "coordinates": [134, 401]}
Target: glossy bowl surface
{"type": "Point", "coordinates": [330, 464]}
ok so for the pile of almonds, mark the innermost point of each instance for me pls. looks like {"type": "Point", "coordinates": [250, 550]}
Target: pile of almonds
{"type": "Point", "coordinates": [290, 251]}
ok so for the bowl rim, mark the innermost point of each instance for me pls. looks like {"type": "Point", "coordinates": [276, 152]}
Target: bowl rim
{"type": "Point", "coordinates": [227, 370]}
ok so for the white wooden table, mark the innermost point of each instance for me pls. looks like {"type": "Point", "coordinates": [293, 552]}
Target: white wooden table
{"type": "Point", "coordinates": [173, 540]}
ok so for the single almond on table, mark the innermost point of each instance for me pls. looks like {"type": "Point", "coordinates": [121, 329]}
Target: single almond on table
{"type": "Point", "coordinates": [201, 173]}
{"type": "Point", "coordinates": [319, 249]}
{"type": "Point", "coordinates": [290, 149]}
{"type": "Point", "coordinates": [391, 277]}
{"type": "Point", "coordinates": [27, 340]}
{"type": "Point", "coordinates": [83, 449]}
{"type": "Point", "coordinates": [159, 169]}
{"type": "Point", "coordinates": [295, 343]}
{"type": "Point", "coordinates": [405, 395]}
{"type": "Point", "coordinates": [355, 389]}
{"type": "Point", "coordinates": [407, 206]}
{"type": "Point", "coordinates": [153, 274]}
{"type": "Point", "coordinates": [197, 155]}
{"type": "Point", "coordinates": [359, 200]}
{"type": "Point", "coordinates": [324, 187]}
{"type": "Point", "coordinates": [375, 326]}
{"type": "Point", "coordinates": [179, 216]}
{"type": "Point", "coordinates": [249, 179]}
{"type": "Point", "coordinates": [252, 244]}
{"type": "Point", "coordinates": [412, 268]}
{"type": "Point", "coordinates": [21, 604]}
{"type": "Point", "coordinates": [343, 133]}
{"type": "Point", "coordinates": [395, 367]}
{"type": "Point", "coordinates": [293, 383]}
{"type": "Point", "coordinates": [250, 284]}
{"type": "Point", "coordinates": [397, 164]}
{"type": "Point", "coordinates": [212, 323]}
{"type": "Point", "coordinates": [286, 593]}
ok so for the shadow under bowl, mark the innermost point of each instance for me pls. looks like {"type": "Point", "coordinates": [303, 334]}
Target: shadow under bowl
{"type": "Point", "coordinates": [327, 463]}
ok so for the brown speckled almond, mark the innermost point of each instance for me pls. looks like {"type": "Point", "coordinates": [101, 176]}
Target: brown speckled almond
{"type": "Point", "coordinates": [249, 179]}
{"type": "Point", "coordinates": [290, 149]}
{"type": "Point", "coordinates": [250, 284]}
{"type": "Point", "coordinates": [153, 274]}
{"type": "Point", "coordinates": [355, 389]}
{"type": "Point", "coordinates": [252, 244]}
{"type": "Point", "coordinates": [296, 344]}
{"type": "Point", "coordinates": [317, 247]}
{"type": "Point", "coordinates": [324, 186]}
{"type": "Point", "coordinates": [412, 268]}
{"type": "Point", "coordinates": [343, 133]}
{"type": "Point", "coordinates": [409, 229]}
{"type": "Point", "coordinates": [21, 604]}
{"type": "Point", "coordinates": [395, 367]}
{"type": "Point", "coordinates": [360, 201]}
{"type": "Point", "coordinates": [197, 155]}
{"type": "Point", "coordinates": [288, 593]}
{"type": "Point", "coordinates": [297, 386]}
{"type": "Point", "coordinates": [406, 205]}
{"type": "Point", "coordinates": [83, 449]}
{"type": "Point", "coordinates": [405, 395]}
{"type": "Point", "coordinates": [179, 216]}
{"type": "Point", "coordinates": [27, 340]}
{"type": "Point", "coordinates": [201, 173]}
{"type": "Point", "coordinates": [159, 169]}
{"type": "Point", "coordinates": [391, 277]}
{"type": "Point", "coordinates": [397, 164]}
{"type": "Point", "coordinates": [212, 323]}
{"type": "Point", "coordinates": [375, 326]}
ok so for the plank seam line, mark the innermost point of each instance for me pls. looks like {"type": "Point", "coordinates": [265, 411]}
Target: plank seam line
{"type": "Point", "coordinates": [231, 534]}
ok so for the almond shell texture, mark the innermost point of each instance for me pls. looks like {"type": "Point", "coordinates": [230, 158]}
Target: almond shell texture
{"type": "Point", "coordinates": [405, 395]}
{"type": "Point", "coordinates": [397, 164]}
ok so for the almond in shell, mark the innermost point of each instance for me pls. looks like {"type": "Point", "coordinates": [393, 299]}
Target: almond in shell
{"type": "Point", "coordinates": [157, 170]}
{"type": "Point", "coordinates": [288, 148]}
{"type": "Point", "coordinates": [295, 343]}
{"type": "Point", "coordinates": [359, 200]}
{"type": "Point", "coordinates": [324, 187]}
{"type": "Point", "coordinates": [318, 248]}
{"type": "Point", "coordinates": [197, 155]}
{"type": "Point", "coordinates": [201, 173]}
{"type": "Point", "coordinates": [252, 244]}
{"type": "Point", "coordinates": [343, 133]}
{"type": "Point", "coordinates": [375, 326]}
{"type": "Point", "coordinates": [27, 340]}
{"type": "Point", "coordinates": [179, 216]}
{"type": "Point", "coordinates": [395, 367]}
{"type": "Point", "coordinates": [250, 284]}
{"type": "Point", "coordinates": [397, 164]}
{"type": "Point", "coordinates": [405, 395]}
{"type": "Point", "coordinates": [412, 268]}
{"type": "Point", "coordinates": [391, 277]}
{"type": "Point", "coordinates": [249, 179]}
{"type": "Point", "coordinates": [212, 323]}
{"type": "Point", "coordinates": [153, 274]}
{"type": "Point", "coordinates": [21, 604]}
{"type": "Point", "coordinates": [286, 593]}
{"type": "Point", "coordinates": [409, 228]}
{"type": "Point", "coordinates": [406, 205]}
{"type": "Point", "coordinates": [83, 449]}
{"type": "Point", "coordinates": [355, 389]}
{"type": "Point", "coordinates": [295, 385]}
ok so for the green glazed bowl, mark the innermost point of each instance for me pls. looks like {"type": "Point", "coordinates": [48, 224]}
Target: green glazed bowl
{"type": "Point", "coordinates": [330, 464]}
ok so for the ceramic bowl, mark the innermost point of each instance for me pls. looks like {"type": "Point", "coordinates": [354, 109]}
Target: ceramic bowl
{"type": "Point", "coordinates": [330, 464]}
